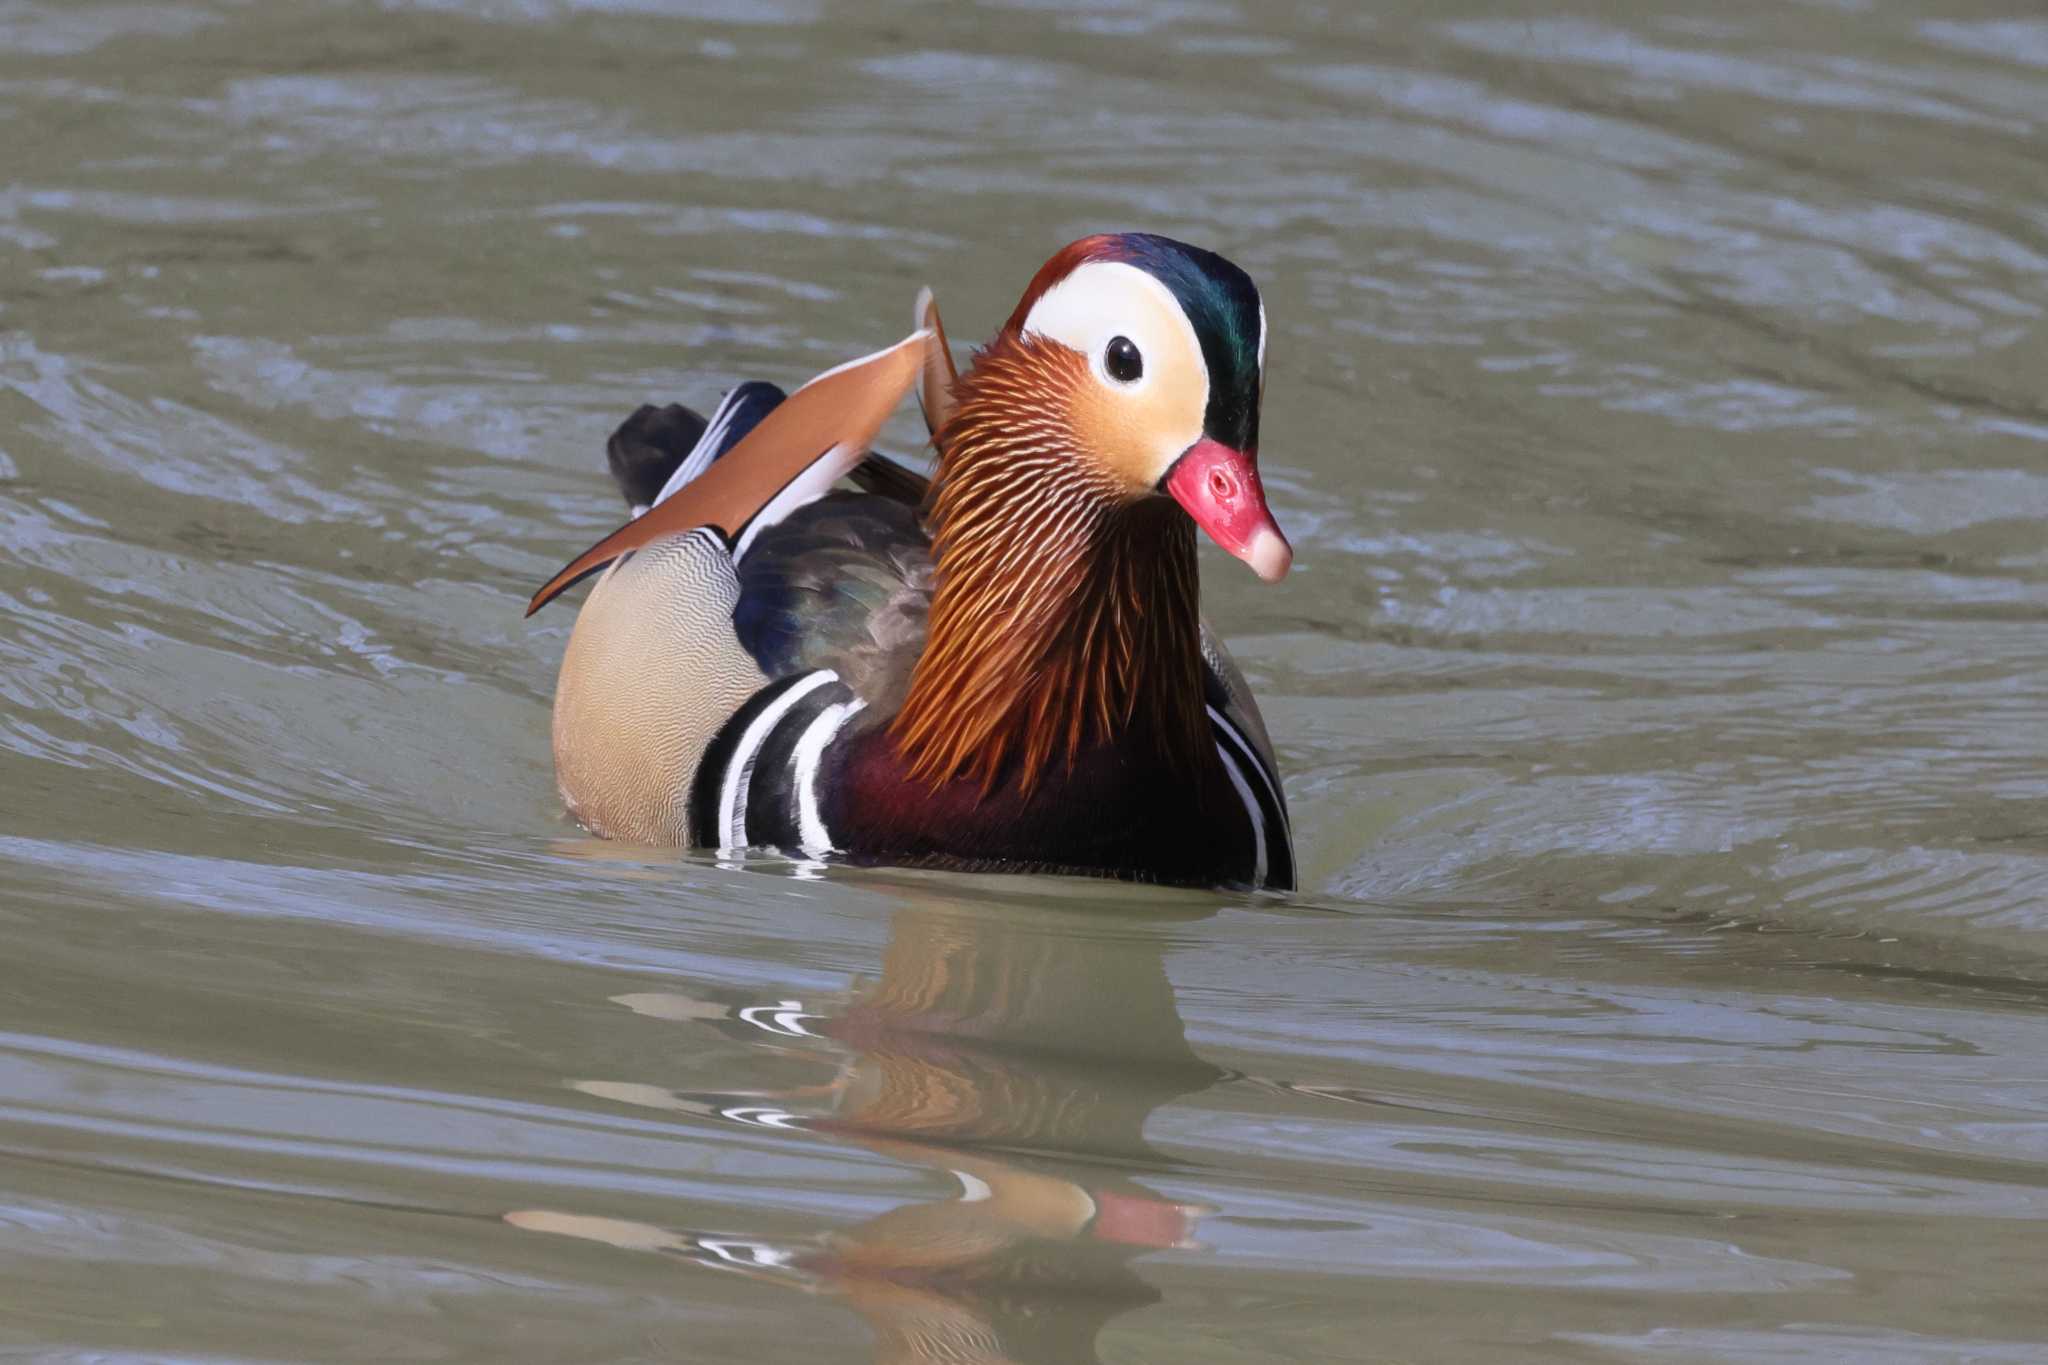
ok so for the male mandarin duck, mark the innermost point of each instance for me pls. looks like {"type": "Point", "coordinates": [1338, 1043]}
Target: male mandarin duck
{"type": "Point", "coordinates": [1003, 669]}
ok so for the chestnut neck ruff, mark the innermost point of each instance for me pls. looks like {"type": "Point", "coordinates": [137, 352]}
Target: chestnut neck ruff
{"type": "Point", "coordinates": [1066, 615]}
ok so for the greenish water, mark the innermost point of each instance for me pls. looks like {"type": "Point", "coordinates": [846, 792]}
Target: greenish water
{"type": "Point", "coordinates": [1656, 407]}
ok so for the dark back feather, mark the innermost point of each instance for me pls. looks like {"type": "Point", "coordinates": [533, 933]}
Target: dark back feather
{"type": "Point", "coordinates": [843, 583]}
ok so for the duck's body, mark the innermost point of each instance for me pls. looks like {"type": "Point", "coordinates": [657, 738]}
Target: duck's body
{"type": "Point", "coordinates": [1005, 670]}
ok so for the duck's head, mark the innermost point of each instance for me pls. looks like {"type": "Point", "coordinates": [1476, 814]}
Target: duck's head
{"type": "Point", "coordinates": [1165, 347]}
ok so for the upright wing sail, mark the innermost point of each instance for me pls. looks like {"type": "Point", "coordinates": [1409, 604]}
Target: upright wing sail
{"type": "Point", "coordinates": [935, 381]}
{"type": "Point", "coordinates": [804, 445]}
{"type": "Point", "coordinates": [878, 473]}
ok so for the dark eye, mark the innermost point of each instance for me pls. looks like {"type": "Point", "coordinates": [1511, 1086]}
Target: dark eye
{"type": "Point", "coordinates": [1122, 360]}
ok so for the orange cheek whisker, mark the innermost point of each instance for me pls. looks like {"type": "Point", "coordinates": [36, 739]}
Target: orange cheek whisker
{"type": "Point", "coordinates": [1060, 602]}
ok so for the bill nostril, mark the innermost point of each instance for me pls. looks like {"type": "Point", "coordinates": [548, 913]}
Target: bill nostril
{"type": "Point", "coordinates": [1220, 484]}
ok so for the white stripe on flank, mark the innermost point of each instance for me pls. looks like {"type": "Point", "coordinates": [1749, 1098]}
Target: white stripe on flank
{"type": "Point", "coordinates": [1251, 806]}
{"type": "Point", "coordinates": [810, 749]}
{"type": "Point", "coordinates": [1244, 745]}
{"type": "Point", "coordinates": [732, 797]}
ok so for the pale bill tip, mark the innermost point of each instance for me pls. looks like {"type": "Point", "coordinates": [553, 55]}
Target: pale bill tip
{"type": "Point", "coordinates": [1269, 554]}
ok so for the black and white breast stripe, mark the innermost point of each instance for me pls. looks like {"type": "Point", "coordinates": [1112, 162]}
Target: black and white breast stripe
{"type": "Point", "coordinates": [1258, 786]}
{"type": "Point", "coordinates": [757, 784]}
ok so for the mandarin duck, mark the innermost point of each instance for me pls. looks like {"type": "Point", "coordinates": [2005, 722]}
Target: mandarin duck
{"type": "Point", "coordinates": [1004, 668]}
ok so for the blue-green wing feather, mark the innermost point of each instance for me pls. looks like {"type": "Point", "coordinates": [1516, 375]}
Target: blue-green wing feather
{"type": "Point", "coordinates": [843, 583]}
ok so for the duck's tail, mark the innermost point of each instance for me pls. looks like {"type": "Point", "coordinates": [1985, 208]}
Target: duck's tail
{"type": "Point", "coordinates": [658, 450]}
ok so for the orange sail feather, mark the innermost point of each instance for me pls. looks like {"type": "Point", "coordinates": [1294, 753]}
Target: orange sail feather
{"type": "Point", "coordinates": [828, 422]}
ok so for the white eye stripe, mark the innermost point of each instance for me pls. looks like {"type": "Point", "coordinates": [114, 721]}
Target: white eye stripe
{"type": "Point", "coordinates": [1102, 300]}
{"type": "Point", "coordinates": [1147, 421]}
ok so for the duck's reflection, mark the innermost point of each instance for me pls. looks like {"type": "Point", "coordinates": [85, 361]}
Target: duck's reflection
{"type": "Point", "coordinates": [1019, 1057]}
